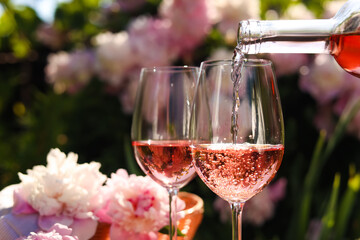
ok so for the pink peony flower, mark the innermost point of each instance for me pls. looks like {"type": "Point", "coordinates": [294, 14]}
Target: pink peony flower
{"type": "Point", "coordinates": [189, 22]}
{"type": "Point", "coordinates": [151, 41]}
{"type": "Point", "coordinates": [286, 64]}
{"type": "Point", "coordinates": [69, 71]}
{"type": "Point", "coordinates": [325, 81]}
{"type": "Point", "coordinates": [127, 97]}
{"type": "Point", "coordinates": [49, 36]}
{"type": "Point", "coordinates": [137, 207]}
{"type": "Point", "coordinates": [62, 188]}
{"type": "Point", "coordinates": [130, 5]}
{"type": "Point", "coordinates": [57, 232]}
{"type": "Point", "coordinates": [324, 119]}
{"type": "Point", "coordinates": [334, 89]}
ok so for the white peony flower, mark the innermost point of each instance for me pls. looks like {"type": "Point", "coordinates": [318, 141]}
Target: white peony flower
{"type": "Point", "coordinates": [114, 56]}
{"type": "Point", "coordinates": [298, 11]}
{"type": "Point", "coordinates": [228, 14]}
{"type": "Point", "coordinates": [63, 187]}
{"type": "Point", "coordinates": [69, 71]}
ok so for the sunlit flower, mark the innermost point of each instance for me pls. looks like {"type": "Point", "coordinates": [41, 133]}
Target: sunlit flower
{"type": "Point", "coordinates": [114, 56]}
{"type": "Point", "coordinates": [70, 71]}
{"type": "Point", "coordinates": [57, 232]}
{"type": "Point", "coordinates": [332, 7]}
{"type": "Point", "coordinates": [189, 22]}
{"type": "Point", "coordinates": [63, 187]}
{"type": "Point", "coordinates": [137, 206]}
{"type": "Point", "coordinates": [298, 11]}
{"type": "Point", "coordinates": [228, 13]}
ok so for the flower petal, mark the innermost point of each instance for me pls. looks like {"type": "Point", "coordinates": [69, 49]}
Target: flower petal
{"type": "Point", "coordinates": [47, 222]}
{"type": "Point", "coordinates": [118, 233]}
{"type": "Point", "coordinates": [84, 229]}
{"type": "Point", "coordinates": [21, 206]}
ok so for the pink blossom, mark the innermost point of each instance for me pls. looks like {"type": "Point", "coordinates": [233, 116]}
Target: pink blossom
{"type": "Point", "coordinates": [325, 80]}
{"type": "Point", "coordinates": [286, 64]}
{"type": "Point", "coordinates": [57, 232]}
{"type": "Point", "coordinates": [137, 207]}
{"type": "Point", "coordinates": [117, 232]}
{"type": "Point", "coordinates": [69, 71]}
{"type": "Point", "coordinates": [130, 5]}
{"type": "Point", "coordinates": [151, 41]}
{"type": "Point", "coordinates": [49, 36]}
{"type": "Point", "coordinates": [127, 96]}
{"type": "Point", "coordinates": [335, 90]}
{"type": "Point", "coordinates": [189, 22]}
{"type": "Point", "coordinates": [324, 119]}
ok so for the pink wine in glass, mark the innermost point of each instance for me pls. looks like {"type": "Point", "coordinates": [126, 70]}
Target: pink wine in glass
{"type": "Point", "coordinates": [236, 172]}
{"type": "Point", "coordinates": [168, 162]}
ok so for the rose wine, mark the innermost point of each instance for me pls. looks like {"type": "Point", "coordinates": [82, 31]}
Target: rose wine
{"type": "Point", "coordinates": [345, 48]}
{"type": "Point", "coordinates": [236, 172]}
{"type": "Point", "coordinates": [305, 36]}
{"type": "Point", "coordinates": [167, 162]}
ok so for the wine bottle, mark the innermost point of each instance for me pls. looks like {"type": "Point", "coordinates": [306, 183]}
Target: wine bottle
{"type": "Point", "coordinates": [338, 36]}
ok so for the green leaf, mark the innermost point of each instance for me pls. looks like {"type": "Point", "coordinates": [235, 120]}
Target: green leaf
{"type": "Point", "coordinates": [20, 46]}
{"type": "Point", "coordinates": [165, 230]}
{"type": "Point", "coordinates": [347, 205]}
{"type": "Point", "coordinates": [310, 179]}
{"type": "Point", "coordinates": [7, 24]}
{"type": "Point", "coordinates": [328, 220]}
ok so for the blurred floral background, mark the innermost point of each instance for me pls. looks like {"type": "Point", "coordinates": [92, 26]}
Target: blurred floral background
{"type": "Point", "coordinates": [68, 80]}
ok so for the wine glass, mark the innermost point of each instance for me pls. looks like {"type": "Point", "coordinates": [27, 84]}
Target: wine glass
{"type": "Point", "coordinates": [237, 131]}
{"type": "Point", "coordinates": [160, 129]}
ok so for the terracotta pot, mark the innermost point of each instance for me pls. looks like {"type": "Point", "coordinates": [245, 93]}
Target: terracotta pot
{"type": "Point", "coordinates": [102, 232]}
{"type": "Point", "coordinates": [194, 209]}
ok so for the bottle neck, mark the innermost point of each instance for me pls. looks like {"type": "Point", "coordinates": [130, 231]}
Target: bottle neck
{"type": "Point", "coordinates": [285, 36]}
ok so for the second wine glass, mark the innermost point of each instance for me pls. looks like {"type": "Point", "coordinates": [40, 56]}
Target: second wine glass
{"type": "Point", "coordinates": [160, 129]}
{"type": "Point", "coordinates": [237, 130]}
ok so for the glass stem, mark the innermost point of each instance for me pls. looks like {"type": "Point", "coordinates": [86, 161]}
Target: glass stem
{"type": "Point", "coordinates": [236, 212]}
{"type": "Point", "coordinates": [173, 192]}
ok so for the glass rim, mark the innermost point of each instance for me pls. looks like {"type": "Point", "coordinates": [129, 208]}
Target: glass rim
{"type": "Point", "coordinates": [252, 62]}
{"type": "Point", "coordinates": [198, 206]}
{"type": "Point", "coordinates": [169, 68]}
